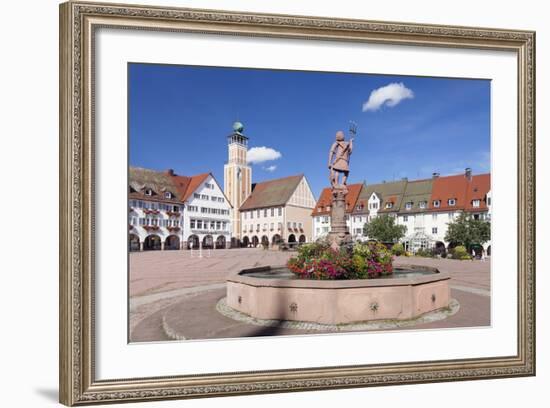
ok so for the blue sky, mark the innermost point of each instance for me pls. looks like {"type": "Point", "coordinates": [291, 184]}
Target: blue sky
{"type": "Point", "coordinates": [179, 117]}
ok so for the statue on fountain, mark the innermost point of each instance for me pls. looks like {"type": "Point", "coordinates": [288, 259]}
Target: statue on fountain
{"type": "Point", "coordinates": [338, 164]}
{"type": "Point", "coordinates": [338, 161]}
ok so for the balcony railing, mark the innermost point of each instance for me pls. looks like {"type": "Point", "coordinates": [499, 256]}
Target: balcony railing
{"type": "Point", "coordinates": [151, 211]}
{"type": "Point", "coordinates": [208, 231]}
{"type": "Point", "coordinates": [173, 213]}
{"type": "Point", "coordinates": [173, 229]}
{"type": "Point", "coordinates": [151, 227]}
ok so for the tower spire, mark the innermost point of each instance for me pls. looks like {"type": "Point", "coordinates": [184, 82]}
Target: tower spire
{"type": "Point", "coordinates": [237, 173]}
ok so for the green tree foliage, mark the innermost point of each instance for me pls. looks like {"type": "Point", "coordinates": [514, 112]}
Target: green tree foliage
{"type": "Point", "coordinates": [467, 231]}
{"type": "Point", "coordinates": [384, 229]}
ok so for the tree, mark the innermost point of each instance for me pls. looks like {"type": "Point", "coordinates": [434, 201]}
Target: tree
{"type": "Point", "coordinates": [467, 231]}
{"type": "Point", "coordinates": [384, 229]}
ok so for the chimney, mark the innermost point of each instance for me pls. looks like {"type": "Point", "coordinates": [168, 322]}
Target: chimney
{"type": "Point", "coordinates": [170, 172]}
{"type": "Point", "coordinates": [435, 175]}
{"type": "Point", "coordinates": [468, 173]}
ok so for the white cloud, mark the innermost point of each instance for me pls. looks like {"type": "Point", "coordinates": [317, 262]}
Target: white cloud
{"type": "Point", "coordinates": [389, 95]}
{"type": "Point", "coordinates": [271, 169]}
{"type": "Point", "coordinates": [262, 154]}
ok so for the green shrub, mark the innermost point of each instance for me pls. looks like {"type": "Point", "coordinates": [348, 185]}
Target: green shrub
{"type": "Point", "coordinates": [460, 252]}
{"type": "Point", "coordinates": [398, 249]}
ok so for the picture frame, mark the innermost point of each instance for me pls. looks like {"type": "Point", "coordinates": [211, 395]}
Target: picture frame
{"type": "Point", "coordinates": [79, 22]}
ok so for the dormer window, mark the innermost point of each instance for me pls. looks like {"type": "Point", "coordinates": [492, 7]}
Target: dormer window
{"type": "Point", "coordinates": [476, 203]}
{"type": "Point", "coordinates": [168, 194]}
{"type": "Point", "coordinates": [148, 192]}
{"type": "Point", "coordinates": [409, 205]}
{"type": "Point", "coordinates": [423, 204]}
{"type": "Point", "coordinates": [389, 205]}
{"type": "Point", "coordinates": [437, 203]}
{"type": "Point", "coordinates": [452, 202]}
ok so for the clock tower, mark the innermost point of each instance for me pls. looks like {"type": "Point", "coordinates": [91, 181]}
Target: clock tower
{"type": "Point", "coordinates": [237, 180]}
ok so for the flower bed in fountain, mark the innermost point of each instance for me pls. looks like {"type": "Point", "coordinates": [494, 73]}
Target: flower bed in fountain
{"type": "Point", "coordinates": [319, 261]}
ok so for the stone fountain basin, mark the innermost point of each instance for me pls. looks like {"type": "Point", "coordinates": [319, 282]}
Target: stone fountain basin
{"type": "Point", "coordinates": [338, 301]}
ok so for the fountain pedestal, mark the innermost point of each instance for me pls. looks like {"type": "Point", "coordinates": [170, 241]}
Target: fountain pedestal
{"type": "Point", "coordinates": [339, 235]}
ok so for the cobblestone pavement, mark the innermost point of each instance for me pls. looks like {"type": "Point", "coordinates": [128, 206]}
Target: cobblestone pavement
{"type": "Point", "coordinates": [179, 290]}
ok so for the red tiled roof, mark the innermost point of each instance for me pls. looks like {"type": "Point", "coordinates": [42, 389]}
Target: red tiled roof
{"type": "Point", "coordinates": [181, 186]}
{"type": "Point", "coordinates": [325, 199]}
{"type": "Point", "coordinates": [477, 190]}
{"type": "Point", "coordinates": [449, 187]}
{"type": "Point", "coordinates": [187, 185]}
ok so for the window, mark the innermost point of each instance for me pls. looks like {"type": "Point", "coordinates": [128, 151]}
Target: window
{"type": "Point", "coordinates": [218, 225]}
{"type": "Point", "coordinates": [142, 221]}
{"type": "Point", "coordinates": [245, 214]}
{"type": "Point", "coordinates": [325, 219]}
{"type": "Point", "coordinates": [294, 225]}
{"type": "Point", "coordinates": [280, 211]}
{"type": "Point", "coordinates": [251, 215]}
{"type": "Point", "coordinates": [405, 218]}
{"type": "Point", "coordinates": [408, 205]}
{"type": "Point", "coordinates": [272, 212]}
{"type": "Point", "coordinates": [451, 216]}
{"type": "Point", "coordinates": [389, 205]}
{"type": "Point", "coordinates": [451, 201]}
{"type": "Point", "coordinates": [434, 230]}
{"type": "Point", "coordinates": [289, 225]}
{"type": "Point", "coordinates": [437, 203]}
{"type": "Point", "coordinates": [209, 185]}
{"type": "Point", "coordinates": [476, 203]}
{"type": "Point", "coordinates": [258, 213]}
{"type": "Point", "coordinates": [434, 217]}
{"type": "Point", "coordinates": [265, 227]}
{"type": "Point", "coordinates": [488, 200]}
{"type": "Point", "coordinates": [272, 226]}
{"type": "Point", "coordinates": [423, 204]}
{"type": "Point", "coordinates": [195, 195]}
{"type": "Point", "coordinates": [300, 225]}
{"type": "Point", "coordinates": [199, 224]}
{"type": "Point", "coordinates": [204, 197]}
{"type": "Point", "coordinates": [265, 212]}
{"type": "Point", "coordinates": [148, 192]}
{"type": "Point", "coordinates": [257, 227]}
{"type": "Point", "coordinates": [168, 194]}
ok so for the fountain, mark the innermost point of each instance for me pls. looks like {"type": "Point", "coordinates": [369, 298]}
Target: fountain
{"type": "Point", "coordinates": [278, 293]}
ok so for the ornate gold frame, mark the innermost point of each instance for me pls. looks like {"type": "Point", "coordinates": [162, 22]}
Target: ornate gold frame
{"type": "Point", "coordinates": [78, 21]}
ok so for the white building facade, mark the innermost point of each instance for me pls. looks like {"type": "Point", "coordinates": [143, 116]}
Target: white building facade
{"type": "Point", "coordinates": [167, 211]}
{"type": "Point", "coordinates": [207, 221]}
{"type": "Point", "coordinates": [278, 211]}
